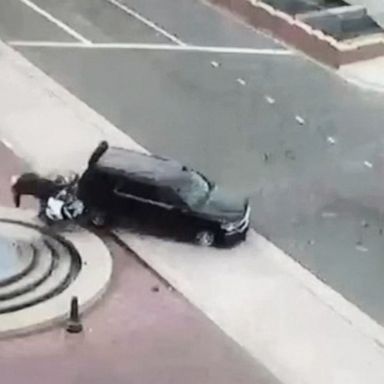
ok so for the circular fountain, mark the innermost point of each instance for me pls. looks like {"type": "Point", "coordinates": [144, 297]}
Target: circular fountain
{"type": "Point", "coordinates": [40, 272]}
{"type": "Point", "coordinates": [34, 266]}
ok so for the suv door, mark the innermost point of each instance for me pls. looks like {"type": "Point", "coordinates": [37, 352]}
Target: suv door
{"type": "Point", "coordinates": [95, 189]}
{"type": "Point", "coordinates": [180, 216]}
{"type": "Point", "coordinates": [134, 198]}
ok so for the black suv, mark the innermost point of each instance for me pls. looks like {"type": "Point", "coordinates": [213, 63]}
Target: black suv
{"type": "Point", "coordinates": [124, 183]}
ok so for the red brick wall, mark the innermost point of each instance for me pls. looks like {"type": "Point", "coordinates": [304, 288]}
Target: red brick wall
{"type": "Point", "coordinates": [287, 30]}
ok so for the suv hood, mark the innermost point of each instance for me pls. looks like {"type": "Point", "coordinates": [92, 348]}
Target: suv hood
{"type": "Point", "coordinates": [223, 207]}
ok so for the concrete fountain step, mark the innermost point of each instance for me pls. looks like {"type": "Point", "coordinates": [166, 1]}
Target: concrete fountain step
{"type": "Point", "coordinates": [68, 263]}
{"type": "Point", "coordinates": [21, 260]}
{"type": "Point", "coordinates": [60, 267]}
{"type": "Point", "coordinates": [42, 267]}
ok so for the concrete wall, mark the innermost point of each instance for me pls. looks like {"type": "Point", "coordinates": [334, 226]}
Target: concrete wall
{"type": "Point", "coordinates": [342, 22]}
{"type": "Point", "coordinates": [375, 9]}
{"type": "Point", "coordinates": [301, 35]}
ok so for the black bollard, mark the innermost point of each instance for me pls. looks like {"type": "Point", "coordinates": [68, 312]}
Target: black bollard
{"type": "Point", "coordinates": [74, 324]}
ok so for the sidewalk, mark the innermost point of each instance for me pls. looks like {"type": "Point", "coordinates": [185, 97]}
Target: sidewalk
{"type": "Point", "coordinates": [367, 75]}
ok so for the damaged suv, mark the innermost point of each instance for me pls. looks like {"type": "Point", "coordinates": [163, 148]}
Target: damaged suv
{"type": "Point", "coordinates": [124, 183]}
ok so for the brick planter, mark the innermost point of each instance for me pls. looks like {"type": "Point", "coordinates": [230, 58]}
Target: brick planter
{"type": "Point", "coordinates": [313, 42]}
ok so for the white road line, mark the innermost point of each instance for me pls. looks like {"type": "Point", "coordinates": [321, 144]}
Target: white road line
{"type": "Point", "coordinates": [57, 22]}
{"type": "Point", "coordinates": [7, 144]}
{"type": "Point", "coordinates": [152, 47]}
{"type": "Point", "coordinates": [146, 21]}
{"type": "Point", "coordinates": [368, 164]}
{"type": "Point", "coordinates": [49, 44]}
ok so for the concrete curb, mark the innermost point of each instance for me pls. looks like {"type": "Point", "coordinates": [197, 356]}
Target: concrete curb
{"type": "Point", "coordinates": [88, 286]}
{"type": "Point", "coordinates": [302, 36]}
{"type": "Point", "coordinates": [362, 79]}
{"type": "Point", "coordinates": [365, 85]}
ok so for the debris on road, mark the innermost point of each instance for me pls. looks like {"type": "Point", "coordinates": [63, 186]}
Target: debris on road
{"type": "Point", "coordinates": [270, 100]}
{"type": "Point", "coordinates": [290, 154]}
{"type": "Point", "coordinates": [361, 248]}
{"type": "Point", "coordinates": [368, 164]}
{"type": "Point", "coordinates": [215, 64]}
{"type": "Point", "coordinates": [327, 215]}
{"type": "Point", "coordinates": [300, 120]}
{"type": "Point", "coordinates": [241, 81]}
{"type": "Point", "coordinates": [331, 140]}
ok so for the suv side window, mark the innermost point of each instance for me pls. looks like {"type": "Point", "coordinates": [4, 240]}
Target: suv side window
{"type": "Point", "coordinates": [168, 196]}
{"type": "Point", "coordinates": [136, 189]}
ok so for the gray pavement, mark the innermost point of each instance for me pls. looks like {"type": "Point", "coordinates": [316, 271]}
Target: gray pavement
{"type": "Point", "coordinates": [317, 194]}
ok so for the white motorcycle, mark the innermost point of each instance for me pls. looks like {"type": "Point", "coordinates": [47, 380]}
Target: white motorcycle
{"type": "Point", "coordinates": [64, 206]}
{"type": "Point", "coordinates": [60, 209]}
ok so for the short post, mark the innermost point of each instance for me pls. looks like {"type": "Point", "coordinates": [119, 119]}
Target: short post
{"type": "Point", "coordinates": [74, 324]}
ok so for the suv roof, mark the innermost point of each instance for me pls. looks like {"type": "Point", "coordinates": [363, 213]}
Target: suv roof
{"type": "Point", "coordinates": [143, 167]}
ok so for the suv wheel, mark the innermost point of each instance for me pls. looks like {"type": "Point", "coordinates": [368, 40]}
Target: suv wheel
{"type": "Point", "coordinates": [98, 219]}
{"type": "Point", "coordinates": [205, 238]}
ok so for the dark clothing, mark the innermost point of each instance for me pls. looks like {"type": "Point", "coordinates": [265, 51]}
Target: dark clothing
{"type": "Point", "coordinates": [16, 199]}
{"type": "Point", "coordinates": [34, 185]}
{"type": "Point", "coordinates": [97, 153]}
{"type": "Point", "coordinates": [46, 188]}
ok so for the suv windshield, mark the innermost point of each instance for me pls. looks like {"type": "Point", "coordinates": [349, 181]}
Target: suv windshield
{"type": "Point", "coordinates": [195, 191]}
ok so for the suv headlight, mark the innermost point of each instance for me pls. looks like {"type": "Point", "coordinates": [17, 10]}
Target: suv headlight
{"type": "Point", "coordinates": [229, 227]}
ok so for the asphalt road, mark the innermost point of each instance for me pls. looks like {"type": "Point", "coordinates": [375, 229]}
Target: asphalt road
{"type": "Point", "coordinates": [305, 146]}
